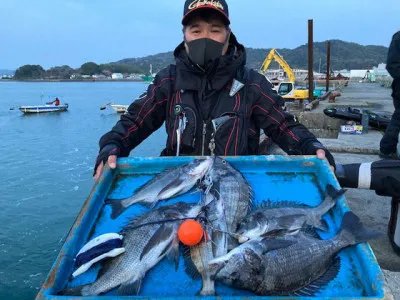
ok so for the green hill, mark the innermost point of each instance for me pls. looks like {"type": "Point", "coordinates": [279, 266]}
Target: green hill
{"type": "Point", "coordinates": [344, 55]}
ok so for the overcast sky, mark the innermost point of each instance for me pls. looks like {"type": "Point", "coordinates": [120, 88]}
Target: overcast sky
{"type": "Point", "coordinates": [71, 32]}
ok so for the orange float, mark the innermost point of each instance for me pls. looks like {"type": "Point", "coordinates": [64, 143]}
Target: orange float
{"type": "Point", "coordinates": [190, 232]}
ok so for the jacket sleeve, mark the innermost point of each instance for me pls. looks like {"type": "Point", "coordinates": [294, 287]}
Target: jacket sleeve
{"type": "Point", "coordinates": [293, 137]}
{"type": "Point", "coordinates": [393, 59]}
{"type": "Point", "coordinates": [144, 116]}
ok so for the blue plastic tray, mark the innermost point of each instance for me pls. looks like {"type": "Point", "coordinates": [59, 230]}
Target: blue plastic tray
{"type": "Point", "coordinates": [300, 179]}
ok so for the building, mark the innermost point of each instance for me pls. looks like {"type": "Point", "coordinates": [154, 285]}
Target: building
{"type": "Point", "coordinates": [117, 76]}
{"type": "Point", "coordinates": [381, 71]}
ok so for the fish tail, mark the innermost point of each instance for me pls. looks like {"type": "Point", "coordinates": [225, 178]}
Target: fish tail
{"type": "Point", "coordinates": [117, 208]}
{"type": "Point", "coordinates": [208, 287]}
{"type": "Point", "coordinates": [332, 195]}
{"type": "Point", "coordinates": [353, 231]}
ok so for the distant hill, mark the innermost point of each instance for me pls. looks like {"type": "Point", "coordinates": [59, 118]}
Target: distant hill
{"type": "Point", "coordinates": [344, 55]}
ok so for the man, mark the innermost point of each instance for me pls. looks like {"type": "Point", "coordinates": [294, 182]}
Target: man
{"type": "Point", "coordinates": [391, 137]}
{"type": "Point", "coordinates": [210, 102]}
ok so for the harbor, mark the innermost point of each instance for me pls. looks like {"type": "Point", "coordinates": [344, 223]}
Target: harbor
{"type": "Point", "coordinates": [146, 157]}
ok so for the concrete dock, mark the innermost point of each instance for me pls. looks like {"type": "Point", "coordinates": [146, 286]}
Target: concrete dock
{"type": "Point", "coordinates": [373, 210]}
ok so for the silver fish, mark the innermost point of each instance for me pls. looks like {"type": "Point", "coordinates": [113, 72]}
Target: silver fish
{"type": "Point", "coordinates": [268, 266]}
{"type": "Point", "coordinates": [170, 183]}
{"type": "Point", "coordinates": [147, 240]}
{"type": "Point", "coordinates": [233, 196]}
{"type": "Point", "coordinates": [201, 255]}
{"type": "Point", "coordinates": [264, 221]}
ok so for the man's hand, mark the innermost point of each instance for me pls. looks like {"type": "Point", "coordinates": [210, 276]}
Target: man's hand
{"type": "Point", "coordinates": [109, 154]}
{"type": "Point", "coordinates": [112, 162]}
{"type": "Point", "coordinates": [322, 155]}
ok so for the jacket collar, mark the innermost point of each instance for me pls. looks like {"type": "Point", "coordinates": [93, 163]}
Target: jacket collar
{"type": "Point", "coordinates": [190, 77]}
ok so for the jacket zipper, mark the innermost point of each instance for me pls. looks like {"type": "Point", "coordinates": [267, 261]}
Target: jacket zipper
{"type": "Point", "coordinates": [204, 138]}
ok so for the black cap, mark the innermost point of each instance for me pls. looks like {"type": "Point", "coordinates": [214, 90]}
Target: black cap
{"type": "Point", "coordinates": [196, 5]}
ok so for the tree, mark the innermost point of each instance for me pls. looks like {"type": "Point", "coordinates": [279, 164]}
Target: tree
{"type": "Point", "coordinates": [90, 68]}
{"type": "Point", "coordinates": [29, 72]}
{"type": "Point", "coordinates": [60, 72]}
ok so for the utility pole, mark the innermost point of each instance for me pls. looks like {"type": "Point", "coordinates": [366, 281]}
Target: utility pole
{"type": "Point", "coordinates": [310, 61]}
{"type": "Point", "coordinates": [328, 66]}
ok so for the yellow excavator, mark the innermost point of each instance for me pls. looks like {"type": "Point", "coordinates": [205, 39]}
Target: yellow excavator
{"type": "Point", "coordinates": [286, 89]}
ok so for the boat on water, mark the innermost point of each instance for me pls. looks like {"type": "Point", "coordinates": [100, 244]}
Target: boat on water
{"type": "Point", "coordinates": [30, 109]}
{"type": "Point", "coordinates": [118, 108]}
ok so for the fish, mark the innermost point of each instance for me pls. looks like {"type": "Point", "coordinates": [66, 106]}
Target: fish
{"type": "Point", "coordinates": [147, 240]}
{"type": "Point", "coordinates": [200, 255]}
{"type": "Point", "coordinates": [233, 197]}
{"type": "Point", "coordinates": [265, 221]}
{"type": "Point", "coordinates": [273, 266]}
{"type": "Point", "coordinates": [165, 185]}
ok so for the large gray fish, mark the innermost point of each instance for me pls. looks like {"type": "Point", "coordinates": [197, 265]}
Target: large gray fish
{"type": "Point", "coordinates": [264, 221]}
{"type": "Point", "coordinates": [268, 268]}
{"type": "Point", "coordinates": [233, 196]}
{"type": "Point", "coordinates": [169, 183]}
{"type": "Point", "coordinates": [144, 246]}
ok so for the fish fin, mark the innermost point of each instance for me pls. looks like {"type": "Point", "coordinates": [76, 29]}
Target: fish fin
{"type": "Point", "coordinates": [322, 225]}
{"type": "Point", "coordinates": [354, 232]}
{"type": "Point", "coordinates": [190, 268]}
{"type": "Point", "coordinates": [269, 204]}
{"type": "Point", "coordinates": [72, 291]}
{"type": "Point", "coordinates": [173, 252]}
{"type": "Point", "coordinates": [130, 288]}
{"type": "Point", "coordinates": [331, 196]}
{"type": "Point", "coordinates": [116, 207]}
{"type": "Point", "coordinates": [310, 231]}
{"type": "Point", "coordinates": [275, 233]}
{"type": "Point", "coordinates": [172, 185]}
{"type": "Point", "coordinates": [321, 282]}
{"type": "Point", "coordinates": [162, 233]}
{"type": "Point", "coordinates": [332, 192]}
{"type": "Point", "coordinates": [132, 224]}
{"type": "Point", "coordinates": [291, 222]}
{"type": "Point", "coordinates": [215, 236]}
{"type": "Point", "coordinates": [275, 244]}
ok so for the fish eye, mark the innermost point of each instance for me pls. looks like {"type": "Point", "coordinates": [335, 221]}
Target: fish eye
{"type": "Point", "coordinates": [224, 162]}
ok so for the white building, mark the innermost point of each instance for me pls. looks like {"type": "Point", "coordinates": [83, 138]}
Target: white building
{"type": "Point", "coordinates": [117, 76]}
{"type": "Point", "coordinates": [381, 71]}
{"type": "Point", "coordinates": [99, 76]}
{"type": "Point", "coordinates": [359, 74]}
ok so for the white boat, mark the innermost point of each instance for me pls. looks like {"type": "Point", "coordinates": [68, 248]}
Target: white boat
{"type": "Point", "coordinates": [119, 108]}
{"type": "Point", "coordinates": [29, 109]}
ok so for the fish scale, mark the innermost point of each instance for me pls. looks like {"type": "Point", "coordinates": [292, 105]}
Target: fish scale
{"type": "Point", "coordinates": [235, 192]}
{"type": "Point", "coordinates": [128, 268]}
{"type": "Point", "coordinates": [287, 265]}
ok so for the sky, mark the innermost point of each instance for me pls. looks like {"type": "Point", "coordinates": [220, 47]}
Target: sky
{"type": "Point", "coordinates": [72, 32]}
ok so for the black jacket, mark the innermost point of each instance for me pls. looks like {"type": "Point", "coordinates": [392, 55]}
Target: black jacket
{"type": "Point", "coordinates": [393, 59]}
{"type": "Point", "coordinates": [217, 116]}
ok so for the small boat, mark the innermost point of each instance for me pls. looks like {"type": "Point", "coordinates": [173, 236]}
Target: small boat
{"type": "Point", "coordinates": [29, 109]}
{"type": "Point", "coordinates": [118, 108]}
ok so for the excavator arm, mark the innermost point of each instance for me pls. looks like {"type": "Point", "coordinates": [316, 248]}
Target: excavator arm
{"type": "Point", "coordinates": [273, 54]}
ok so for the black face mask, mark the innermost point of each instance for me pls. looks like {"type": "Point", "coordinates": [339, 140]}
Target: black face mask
{"type": "Point", "coordinates": [205, 50]}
